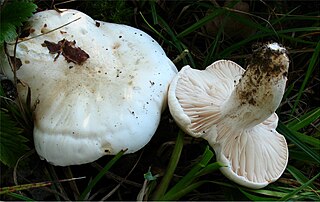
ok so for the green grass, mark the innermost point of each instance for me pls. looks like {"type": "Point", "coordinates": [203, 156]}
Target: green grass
{"type": "Point", "coordinates": [174, 166]}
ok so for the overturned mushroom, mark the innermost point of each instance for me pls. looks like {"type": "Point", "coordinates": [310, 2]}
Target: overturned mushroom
{"type": "Point", "coordinates": [98, 89]}
{"type": "Point", "coordinates": [234, 110]}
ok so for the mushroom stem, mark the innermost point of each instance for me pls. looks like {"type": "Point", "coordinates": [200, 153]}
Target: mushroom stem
{"type": "Point", "coordinates": [259, 92]}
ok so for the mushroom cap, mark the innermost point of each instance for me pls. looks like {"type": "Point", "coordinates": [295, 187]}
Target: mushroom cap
{"type": "Point", "coordinates": [254, 156]}
{"type": "Point", "coordinates": [110, 102]}
{"type": "Point", "coordinates": [195, 96]}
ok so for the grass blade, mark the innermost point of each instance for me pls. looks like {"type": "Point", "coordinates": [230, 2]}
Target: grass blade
{"type": "Point", "coordinates": [210, 168]}
{"type": "Point", "coordinates": [212, 53]}
{"type": "Point", "coordinates": [20, 197]}
{"type": "Point", "coordinates": [265, 192]}
{"type": "Point", "coordinates": [293, 193]}
{"type": "Point", "coordinates": [308, 139]}
{"type": "Point", "coordinates": [300, 156]}
{"type": "Point", "coordinates": [299, 176]}
{"type": "Point", "coordinates": [215, 13]}
{"type": "Point", "coordinates": [234, 48]}
{"type": "Point", "coordinates": [6, 190]}
{"type": "Point", "coordinates": [154, 11]}
{"type": "Point", "coordinates": [13, 143]}
{"type": "Point", "coordinates": [101, 174]}
{"type": "Point", "coordinates": [191, 175]}
{"type": "Point", "coordinates": [182, 192]}
{"type": "Point", "coordinates": [304, 120]}
{"type": "Point", "coordinates": [171, 33]}
{"type": "Point", "coordinates": [312, 64]}
{"type": "Point", "coordinates": [152, 28]}
{"type": "Point", "coordinates": [254, 197]}
{"type": "Point", "coordinates": [201, 22]}
{"type": "Point", "coordinates": [163, 186]}
{"type": "Point", "coordinates": [291, 136]}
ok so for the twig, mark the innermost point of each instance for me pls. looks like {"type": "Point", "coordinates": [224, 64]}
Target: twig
{"type": "Point", "coordinates": [60, 3]}
{"type": "Point", "coordinates": [55, 29]}
{"type": "Point", "coordinates": [117, 187]}
{"type": "Point", "coordinates": [115, 177]}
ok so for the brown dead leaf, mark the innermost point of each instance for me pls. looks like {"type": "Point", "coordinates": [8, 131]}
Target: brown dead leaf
{"type": "Point", "coordinates": [16, 61]}
{"type": "Point", "coordinates": [68, 50]}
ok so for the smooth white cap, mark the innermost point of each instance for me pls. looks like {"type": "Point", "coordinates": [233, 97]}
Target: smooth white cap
{"type": "Point", "coordinates": [113, 101]}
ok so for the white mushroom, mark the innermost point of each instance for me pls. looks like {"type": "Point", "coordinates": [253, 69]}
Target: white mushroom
{"type": "Point", "coordinates": [99, 87]}
{"type": "Point", "coordinates": [234, 110]}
